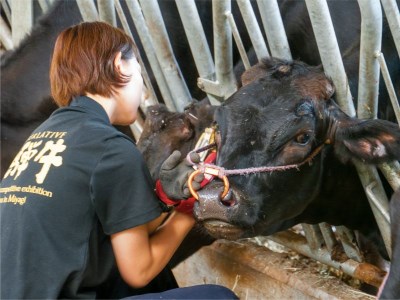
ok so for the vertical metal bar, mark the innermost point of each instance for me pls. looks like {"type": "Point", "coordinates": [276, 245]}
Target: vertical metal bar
{"type": "Point", "coordinates": [6, 9]}
{"type": "Point", "coordinates": [223, 48]}
{"type": "Point", "coordinates": [44, 5]}
{"type": "Point", "coordinates": [391, 171]}
{"type": "Point", "coordinates": [370, 42]}
{"type": "Point", "coordinates": [5, 35]}
{"type": "Point", "coordinates": [169, 66]}
{"type": "Point", "coordinates": [392, 15]}
{"type": "Point", "coordinates": [136, 127]}
{"type": "Point", "coordinates": [389, 84]}
{"type": "Point", "coordinates": [377, 203]}
{"type": "Point", "coordinates": [121, 15]}
{"type": "Point", "coordinates": [253, 29]}
{"type": "Point", "coordinates": [88, 10]}
{"type": "Point", "coordinates": [21, 20]}
{"type": "Point", "coordinates": [144, 35]}
{"type": "Point", "coordinates": [107, 11]}
{"type": "Point", "coordinates": [273, 27]}
{"type": "Point", "coordinates": [329, 236]}
{"type": "Point", "coordinates": [349, 243]}
{"type": "Point", "coordinates": [313, 235]}
{"type": "Point", "coordinates": [329, 52]}
{"type": "Point", "coordinates": [371, 36]}
{"type": "Point", "coordinates": [369, 175]}
{"type": "Point", "coordinates": [197, 41]}
{"type": "Point", "coordinates": [238, 40]}
{"type": "Point", "coordinates": [153, 99]}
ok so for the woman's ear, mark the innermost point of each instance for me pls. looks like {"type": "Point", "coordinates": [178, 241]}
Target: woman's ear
{"type": "Point", "coordinates": [118, 61]}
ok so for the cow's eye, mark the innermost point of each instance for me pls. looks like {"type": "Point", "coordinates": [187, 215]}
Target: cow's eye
{"type": "Point", "coordinates": [303, 138]}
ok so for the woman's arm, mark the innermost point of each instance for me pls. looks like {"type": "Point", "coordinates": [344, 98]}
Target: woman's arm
{"type": "Point", "coordinates": [141, 255]}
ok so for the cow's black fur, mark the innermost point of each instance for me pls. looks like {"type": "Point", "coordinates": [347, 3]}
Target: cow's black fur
{"type": "Point", "coordinates": [279, 119]}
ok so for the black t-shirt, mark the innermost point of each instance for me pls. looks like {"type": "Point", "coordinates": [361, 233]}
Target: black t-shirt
{"type": "Point", "coordinates": [75, 181]}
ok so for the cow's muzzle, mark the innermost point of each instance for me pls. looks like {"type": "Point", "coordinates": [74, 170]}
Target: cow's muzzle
{"type": "Point", "coordinates": [215, 213]}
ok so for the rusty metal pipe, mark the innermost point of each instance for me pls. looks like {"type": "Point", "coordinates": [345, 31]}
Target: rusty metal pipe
{"type": "Point", "coordinates": [363, 271]}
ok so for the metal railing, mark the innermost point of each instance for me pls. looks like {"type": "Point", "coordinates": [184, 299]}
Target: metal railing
{"type": "Point", "coordinates": [218, 81]}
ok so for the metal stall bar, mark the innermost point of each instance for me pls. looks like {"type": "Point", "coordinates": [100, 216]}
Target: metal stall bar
{"type": "Point", "coordinates": [370, 42]}
{"type": "Point", "coordinates": [44, 5]}
{"type": "Point", "coordinates": [377, 203]}
{"type": "Point", "coordinates": [389, 84]}
{"type": "Point", "coordinates": [144, 35]}
{"type": "Point", "coordinates": [363, 271]}
{"type": "Point", "coordinates": [313, 236]}
{"type": "Point", "coordinates": [333, 66]}
{"type": "Point", "coordinates": [88, 10]}
{"type": "Point", "coordinates": [6, 9]}
{"type": "Point", "coordinates": [393, 17]}
{"type": "Point", "coordinates": [329, 52]}
{"type": "Point", "coordinates": [391, 171]}
{"type": "Point", "coordinates": [371, 37]}
{"type": "Point", "coordinates": [107, 12]}
{"type": "Point", "coordinates": [226, 82]}
{"type": "Point", "coordinates": [329, 237]}
{"type": "Point", "coordinates": [238, 40]}
{"type": "Point", "coordinates": [21, 20]}
{"type": "Point", "coordinates": [349, 244]}
{"type": "Point", "coordinates": [253, 29]}
{"type": "Point", "coordinates": [5, 35]}
{"type": "Point", "coordinates": [197, 42]}
{"type": "Point", "coordinates": [162, 46]}
{"type": "Point", "coordinates": [369, 175]}
{"type": "Point", "coordinates": [273, 27]}
{"type": "Point", "coordinates": [152, 99]}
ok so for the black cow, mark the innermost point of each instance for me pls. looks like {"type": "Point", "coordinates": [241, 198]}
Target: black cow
{"type": "Point", "coordinates": [283, 118]}
{"type": "Point", "coordinates": [25, 90]}
{"type": "Point", "coordinates": [391, 289]}
{"type": "Point", "coordinates": [165, 131]}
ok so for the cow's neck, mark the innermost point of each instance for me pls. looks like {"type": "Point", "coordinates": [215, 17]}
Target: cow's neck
{"type": "Point", "coordinates": [341, 199]}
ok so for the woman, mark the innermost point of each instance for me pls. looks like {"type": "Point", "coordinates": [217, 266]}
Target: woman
{"type": "Point", "coordinates": [77, 203]}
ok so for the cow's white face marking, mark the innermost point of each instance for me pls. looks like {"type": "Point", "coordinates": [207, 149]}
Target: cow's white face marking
{"type": "Point", "coordinates": [379, 149]}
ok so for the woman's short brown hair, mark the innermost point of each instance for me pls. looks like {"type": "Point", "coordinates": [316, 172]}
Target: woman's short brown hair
{"type": "Point", "coordinates": [83, 61]}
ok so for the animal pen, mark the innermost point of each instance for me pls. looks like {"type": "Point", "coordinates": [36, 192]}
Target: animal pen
{"type": "Point", "coordinates": [217, 80]}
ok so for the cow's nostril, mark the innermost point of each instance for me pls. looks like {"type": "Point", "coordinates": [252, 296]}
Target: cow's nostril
{"type": "Point", "coordinates": [229, 199]}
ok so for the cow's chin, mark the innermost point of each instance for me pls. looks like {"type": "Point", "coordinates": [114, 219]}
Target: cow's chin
{"type": "Point", "coordinates": [222, 230]}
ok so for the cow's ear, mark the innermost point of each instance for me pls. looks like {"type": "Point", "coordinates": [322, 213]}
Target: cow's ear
{"type": "Point", "coordinates": [370, 141]}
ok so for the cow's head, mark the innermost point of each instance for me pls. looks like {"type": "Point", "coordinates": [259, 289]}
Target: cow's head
{"type": "Point", "coordinates": [279, 117]}
{"type": "Point", "coordinates": [166, 131]}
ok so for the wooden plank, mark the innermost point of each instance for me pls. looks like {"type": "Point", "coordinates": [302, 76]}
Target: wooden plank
{"type": "Point", "coordinates": [255, 272]}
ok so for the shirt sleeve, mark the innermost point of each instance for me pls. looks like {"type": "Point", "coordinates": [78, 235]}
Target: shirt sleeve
{"type": "Point", "coordinates": [122, 189]}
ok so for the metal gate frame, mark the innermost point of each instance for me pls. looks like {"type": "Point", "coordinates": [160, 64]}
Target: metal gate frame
{"type": "Point", "coordinates": [218, 81]}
